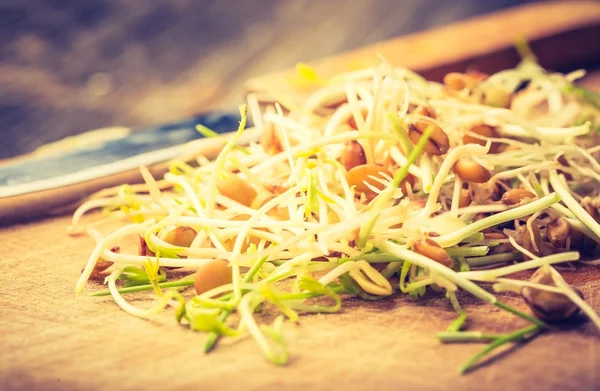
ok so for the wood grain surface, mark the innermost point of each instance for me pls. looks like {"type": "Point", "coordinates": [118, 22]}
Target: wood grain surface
{"type": "Point", "coordinates": [55, 340]}
{"type": "Point", "coordinates": [52, 339]}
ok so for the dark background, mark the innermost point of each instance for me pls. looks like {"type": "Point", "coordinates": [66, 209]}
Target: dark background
{"type": "Point", "coordinates": [67, 66]}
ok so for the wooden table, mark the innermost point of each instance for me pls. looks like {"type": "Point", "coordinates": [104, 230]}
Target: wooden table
{"type": "Point", "coordinates": [55, 340]}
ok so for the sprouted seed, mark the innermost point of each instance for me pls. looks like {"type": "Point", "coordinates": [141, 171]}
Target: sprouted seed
{"type": "Point", "coordinates": [380, 183]}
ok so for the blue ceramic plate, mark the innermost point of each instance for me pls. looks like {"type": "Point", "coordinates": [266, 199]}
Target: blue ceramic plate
{"type": "Point", "coordinates": [73, 168]}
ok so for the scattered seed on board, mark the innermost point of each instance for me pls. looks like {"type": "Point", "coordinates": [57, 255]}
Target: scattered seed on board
{"type": "Point", "coordinates": [548, 306]}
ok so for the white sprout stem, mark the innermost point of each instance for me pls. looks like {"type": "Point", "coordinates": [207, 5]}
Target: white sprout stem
{"type": "Point", "coordinates": [444, 283]}
{"type": "Point", "coordinates": [341, 115]}
{"type": "Point", "coordinates": [189, 191]}
{"type": "Point", "coordinates": [94, 234]}
{"type": "Point", "coordinates": [457, 153]}
{"type": "Point", "coordinates": [104, 244]}
{"type": "Point", "coordinates": [286, 139]}
{"type": "Point", "coordinates": [248, 321]}
{"type": "Point", "coordinates": [426, 171]}
{"type": "Point", "coordinates": [529, 225]}
{"type": "Point", "coordinates": [321, 142]}
{"type": "Point", "coordinates": [324, 97]}
{"type": "Point", "coordinates": [236, 224]}
{"type": "Point", "coordinates": [348, 210]}
{"type": "Point", "coordinates": [419, 284]}
{"type": "Point", "coordinates": [367, 285]}
{"type": "Point", "coordinates": [89, 205]}
{"type": "Point", "coordinates": [132, 310]}
{"type": "Point", "coordinates": [559, 186]}
{"type": "Point", "coordinates": [476, 209]}
{"type": "Point", "coordinates": [402, 161]}
{"type": "Point", "coordinates": [153, 188]}
{"type": "Point", "coordinates": [251, 178]}
{"type": "Point", "coordinates": [372, 115]}
{"type": "Point", "coordinates": [248, 224]}
{"type": "Point", "coordinates": [526, 184]}
{"type": "Point", "coordinates": [593, 149]}
{"type": "Point", "coordinates": [255, 112]}
{"type": "Point", "coordinates": [490, 275]}
{"type": "Point", "coordinates": [225, 289]}
{"type": "Point", "coordinates": [333, 230]}
{"type": "Point", "coordinates": [566, 212]}
{"type": "Point", "coordinates": [456, 196]}
{"type": "Point", "coordinates": [237, 247]}
{"type": "Point", "coordinates": [339, 271]}
{"type": "Point", "coordinates": [435, 267]}
{"type": "Point", "coordinates": [503, 283]}
{"type": "Point", "coordinates": [457, 236]}
{"type": "Point", "coordinates": [231, 232]}
{"type": "Point", "coordinates": [137, 260]}
{"type": "Point", "coordinates": [520, 248]}
{"type": "Point", "coordinates": [220, 163]}
{"type": "Point", "coordinates": [377, 284]}
{"type": "Point", "coordinates": [140, 187]}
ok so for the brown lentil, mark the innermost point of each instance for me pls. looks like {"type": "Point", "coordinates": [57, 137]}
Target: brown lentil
{"type": "Point", "coordinates": [211, 275]}
{"type": "Point", "coordinates": [459, 81]}
{"type": "Point", "coordinates": [269, 139]}
{"type": "Point", "coordinates": [437, 144]}
{"type": "Point", "coordinates": [548, 306]}
{"type": "Point", "coordinates": [425, 111]}
{"type": "Point", "coordinates": [464, 199]}
{"type": "Point", "coordinates": [181, 236]}
{"type": "Point", "coordinates": [558, 231]}
{"type": "Point", "coordinates": [358, 175]}
{"type": "Point", "coordinates": [353, 155]}
{"type": "Point", "coordinates": [515, 196]}
{"type": "Point", "coordinates": [432, 250]}
{"type": "Point", "coordinates": [469, 171]}
{"type": "Point", "coordinates": [237, 189]}
{"type": "Point", "coordinates": [482, 130]}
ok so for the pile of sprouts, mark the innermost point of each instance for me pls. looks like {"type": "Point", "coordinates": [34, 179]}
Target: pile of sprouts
{"type": "Point", "coordinates": [379, 183]}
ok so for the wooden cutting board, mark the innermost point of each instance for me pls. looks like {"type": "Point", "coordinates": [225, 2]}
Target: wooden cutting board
{"type": "Point", "coordinates": [54, 340]}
